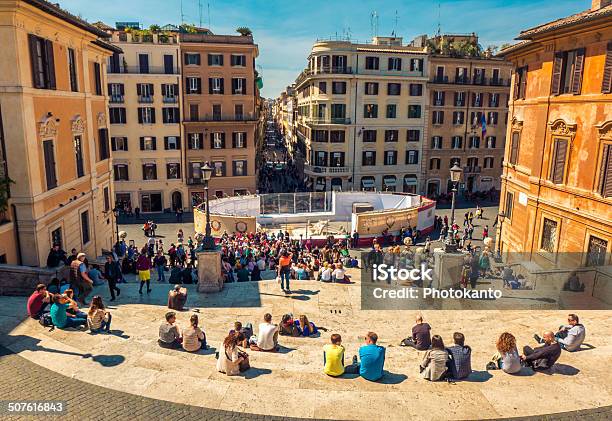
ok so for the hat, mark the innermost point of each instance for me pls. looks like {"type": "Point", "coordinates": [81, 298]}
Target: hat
{"type": "Point", "coordinates": [80, 255]}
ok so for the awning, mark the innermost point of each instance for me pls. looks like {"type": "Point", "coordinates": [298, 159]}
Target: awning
{"type": "Point", "coordinates": [410, 181]}
{"type": "Point", "coordinates": [367, 182]}
{"type": "Point", "coordinates": [390, 181]}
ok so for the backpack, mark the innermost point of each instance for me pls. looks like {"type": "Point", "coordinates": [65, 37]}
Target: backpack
{"type": "Point", "coordinates": [45, 320]}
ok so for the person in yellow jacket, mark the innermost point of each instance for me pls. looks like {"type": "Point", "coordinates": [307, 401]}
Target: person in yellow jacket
{"type": "Point", "coordinates": [333, 357]}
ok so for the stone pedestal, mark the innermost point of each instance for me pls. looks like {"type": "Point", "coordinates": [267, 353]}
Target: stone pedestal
{"type": "Point", "coordinates": [210, 278]}
{"type": "Point", "coordinates": [447, 268]}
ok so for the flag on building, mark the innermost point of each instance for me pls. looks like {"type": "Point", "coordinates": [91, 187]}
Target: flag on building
{"type": "Point", "coordinates": [483, 123]}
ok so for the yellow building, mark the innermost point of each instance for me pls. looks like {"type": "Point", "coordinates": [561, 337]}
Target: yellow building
{"type": "Point", "coordinates": [144, 88]}
{"type": "Point", "coordinates": [54, 132]}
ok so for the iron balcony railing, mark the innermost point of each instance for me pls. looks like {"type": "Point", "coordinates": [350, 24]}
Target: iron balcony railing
{"type": "Point", "coordinates": [464, 80]}
{"type": "Point", "coordinates": [143, 70]}
{"type": "Point", "coordinates": [223, 117]}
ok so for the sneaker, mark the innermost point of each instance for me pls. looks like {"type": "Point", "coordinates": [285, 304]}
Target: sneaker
{"type": "Point", "coordinates": [149, 290]}
{"type": "Point", "coordinates": [118, 292]}
{"type": "Point", "coordinates": [537, 338]}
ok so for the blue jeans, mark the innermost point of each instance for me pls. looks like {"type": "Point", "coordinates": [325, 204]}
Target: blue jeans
{"type": "Point", "coordinates": [75, 322]}
{"type": "Point", "coordinates": [161, 277]}
{"type": "Point", "coordinates": [285, 278]}
{"type": "Point", "coordinates": [105, 325]}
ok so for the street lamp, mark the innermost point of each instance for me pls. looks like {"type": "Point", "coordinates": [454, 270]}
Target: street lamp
{"type": "Point", "coordinates": [116, 211]}
{"type": "Point", "coordinates": [451, 245]}
{"type": "Point", "coordinates": [208, 243]}
{"type": "Point", "coordinates": [500, 218]}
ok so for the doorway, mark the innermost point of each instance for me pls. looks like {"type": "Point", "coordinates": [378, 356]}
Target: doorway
{"type": "Point", "coordinates": [177, 200]}
{"type": "Point", "coordinates": [151, 202]}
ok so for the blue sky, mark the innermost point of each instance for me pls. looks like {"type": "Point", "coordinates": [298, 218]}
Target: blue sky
{"type": "Point", "coordinates": [285, 30]}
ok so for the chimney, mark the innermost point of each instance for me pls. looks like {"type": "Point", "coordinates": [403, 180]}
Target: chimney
{"type": "Point", "coordinates": [598, 4]}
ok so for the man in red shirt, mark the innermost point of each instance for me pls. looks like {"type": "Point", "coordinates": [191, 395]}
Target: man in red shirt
{"type": "Point", "coordinates": [38, 301]}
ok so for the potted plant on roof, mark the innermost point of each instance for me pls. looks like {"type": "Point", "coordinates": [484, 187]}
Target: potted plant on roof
{"type": "Point", "coordinates": [244, 31]}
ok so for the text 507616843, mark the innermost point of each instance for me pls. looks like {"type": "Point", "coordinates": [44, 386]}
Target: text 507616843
{"type": "Point", "coordinates": [32, 407]}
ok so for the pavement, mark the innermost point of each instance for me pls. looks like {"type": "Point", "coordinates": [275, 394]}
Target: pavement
{"type": "Point", "coordinates": [128, 370]}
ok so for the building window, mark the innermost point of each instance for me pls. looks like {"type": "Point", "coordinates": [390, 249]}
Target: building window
{"type": "Point", "coordinates": [195, 141]}
{"type": "Point", "coordinates": [369, 135]}
{"type": "Point", "coordinates": [338, 113]}
{"type": "Point", "coordinates": [121, 172]}
{"type": "Point", "coordinates": [438, 98]}
{"type": "Point", "coordinates": [143, 63]}
{"type": "Point", "coordinates": [238, 60]}
{"type": "Point", "coordinates": [391, 111]}
{"type": "Point", "coordinates": [78, 153]}
{"type": "Point", "coordinates": [106, 195]}
{"type": "Point", "coordinates": [238, 112]}
{"type": "Point", "coordinates": [477, 99]}
{"type": "Point", "coordinates": [394, 88]}
{"type": "Point", "coordinates": [371, 88]}
{"type": "Point", "coordinates": [456, 142]}
{"type": "Point", "coordinates": [372, 63]}
{"type": "Point", "coordinates": [368, 158]}
{"type": "Point", "coordinates": [567, 72]}
{"type": "Point", "coordinates": [514, 147]}
{"type": "Point", "coordinates": [218, 140]}
{"type": "Point", "coordinates": [458, 117]}
{"type": "Point", "coordinates": [192, 59]}
{"type": "Point", "coordinates": [119, 143]}
{"type": "Point", "coordinates": [85, 227]}
{"type": "Point", "coordinates": [239, 140]}
{"type": "Point", "coordinates": [145, 92]}
{"type": "Point", "coordinates": [240, 168]}
{"type": "Point", "coordinates": [149, 171]}
{"type": "Point", "coordinates": [395, 63]}
{"type": "Point", "coordinates": [146, 115]}
{"type": "Point", "coordinates": [194, 112]}
{"type": "Point", "coordinates": [336, 159]}
{"type": "Point", "coordinates": [414, 135]}
{"type": "Point", "coordinates": [490, 144]}
{"type": "Point", "coordinates": [370, 111]}
{"type": "Point", "coordinates": [196, 170]}
{"type": "Point", "coordinates": [391, 135]}
{"type": "Point", "coordinates": [605, 178]}
{"type": "Point", "coordinates": [320, 135]}
{"type": "Point", "coordinates": [461, 75]}
{"type": "Point", "coordinates": [416, 64]}
{"type": "Point", "coordinates": [549, 235]}
{"type": "Point", "coordinates": [437, 117]}
{"type": "Point", "coordinates": [434, 164]}
{"type": "Point", "coordinates": [41, 59]}
{"type": "Point", "coordinates": [596, 251]}
{"type": "Point", "coordinates": [520, 82]}
{"type": "Point", "coordinates": [414, 111]}
{"type": "Point", "coordinates": [321, 159]}
{"type": "Point", "coordinates": [416, 89]}
{"type": "Point", "coordinates": [218, 169]}
{"type": "Point", "coordinates": [472, 162]}
{"type": "Point", "coordinates": [239, 86]}
{"type": "Point", "coordinates": [169, 64]}
{"type": "Point", "coordinates": [436, 142]}
{"type": "Point", "coordinates": [170, 115]}
{"type": "Point", "coordinates": [474, 142]}
{"type": "Point", "coordinates": [509, 205]}
{"type": "Point", "coordinates": [49, 157]}
{"type": "Point", "coordinates": [390, 157]}
{"type": "Point", "coordinates": [492, 118]}
{"type": "Point", "coordinates": [148, 143]}
{"type": "Point", "coordinates": [453, 161]}
{"type": "Point", "coordinates": [215, 85]}
{"type": "Point", "coordinates": [493, 100]}
{"type": "Point", "coordinates": [412, 157]}
{"type": "Point", "coordinates": [322, 87]}
{"type": "Point", "coordinates": [488, 162]}
{"type": "Point", "coordinates": [215, 59]}
{"type": "Point", "coordinates": [117, 115]}
{"type": "Point", "coordinates": [173, 171]}
{"type": "Point", "coordinates": [194, 85]}
{"type": "Point", "coordinates": [559, 158]}
{"type": "Point", "coordinates": [103, 144]}
{"type": "Point", "coordinates": [116, 91]}
{"type": "Point", "coordinates": [172, 143]}
{"type": "Point", "coordinates": [170, 92]}
{"type": "Point", "coordinates": [56, 237]}
{"type": "Point", "coordinates": [336, 136]}
{"type": "Point", "coordinates": [97, 79]}
{"type": "Point", "coordinates": [72, 70]}
{"type": "Point", "coordinates": [339, 88]}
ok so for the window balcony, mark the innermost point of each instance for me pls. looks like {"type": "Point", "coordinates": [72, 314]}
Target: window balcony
{"type": "Point", "coordinates": [116, 99]}
{"type": "Point", "coordinates": [170, 99]}
{"type": "Point", "coordinates": [145, 99]}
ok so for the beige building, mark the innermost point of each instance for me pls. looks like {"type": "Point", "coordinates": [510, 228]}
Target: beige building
{"type": "Point", "coordinates": [361, 114]}
{"type": "Point", "coordinates": [221, 117]}
{"type": "Point", "coordinates": [144, 87]}
{"type": "Point", "coordinates": [54, 133]}
{"type": "Point", "coordinates": [466, 124]}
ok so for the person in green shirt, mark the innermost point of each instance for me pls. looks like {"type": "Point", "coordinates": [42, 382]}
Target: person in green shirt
{"type": "Point", "coordinates": [333, 357]}
{"type": "Point", "coordinates": [242, 273]}
{"type": "Point", "coordinates": [60, 318]}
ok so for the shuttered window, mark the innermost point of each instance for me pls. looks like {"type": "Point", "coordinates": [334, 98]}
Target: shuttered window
{"type": "Point", "coordinates": [520, 82]}
{"type": "Point", "coordinates": [42, 62]}
{"type": "Point", "coordinates": [557, 170]}
{"type": "Point", "coordinates": [606, 86]}
{"type": "Point", "coordinates": [98, 78]}
{"type": "Point", "coordinates": [49, 156]}
{"type": "Point", "coordinates": [605, 177]}
{"type": "Point", "coordinates": [514, 147]}
{"type": "Point", "coordinates": [103, 141]}
{"type": "Point", "coordinates": [568, 67]}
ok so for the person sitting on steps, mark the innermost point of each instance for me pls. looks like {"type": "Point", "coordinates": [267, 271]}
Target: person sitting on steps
{"type": "Point", "coordinates": [434, 364]}
{"type": "Point", "coordinates": [267, 337]}
{"type": "Point", "coordinates": [169, 336]}
{"type": "Point", "coordinates": [543, 357]}
{"type": "Point", "coordinates": [571, 336]}
{"type": "Point", "coordinates": [372, 358]}
{"type": "Point", "coordinates": [420, 339]}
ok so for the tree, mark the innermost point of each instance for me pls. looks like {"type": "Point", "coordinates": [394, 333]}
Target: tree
{"type": "Point", "coordinates": [244, 31]}
{"type": "Point", "coordinates": [154, 28]}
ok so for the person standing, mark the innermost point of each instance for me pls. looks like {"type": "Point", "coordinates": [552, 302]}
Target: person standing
{"type": "Point", "coordinates": [160, 264]}
{"type": "Point", "coordinates": [143, 265]}
{"type": "Point", "coordinates": [56, 256]}
{"type": "Point", "coordinates": [284, 270]}
{"type": "Point", "coordinates": [112, 273]}
{"type": "Point", "coordinates": [485, 232]}
{"type": "Point", "coordinates": [79, 278]}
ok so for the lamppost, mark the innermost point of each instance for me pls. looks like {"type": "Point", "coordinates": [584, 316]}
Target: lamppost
{"type": "Point", "coordinates": [500, 219]}
{"type": "Point", "coordinates": [450, 245]}
{"type": "Point", "coordinates": [116, 211]}
{"type": "Point", "coordinates": [208, 243]}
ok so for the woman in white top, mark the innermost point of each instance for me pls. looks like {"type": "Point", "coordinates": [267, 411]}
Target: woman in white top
{"type": "Point", "coordinates": [193, 337]}
{"type": "Point", "coordinates": [339, 273]}
{"type": "Point", "coordinates": [230, 356]}
{"type": "Point", "coordinates": [326, 274]}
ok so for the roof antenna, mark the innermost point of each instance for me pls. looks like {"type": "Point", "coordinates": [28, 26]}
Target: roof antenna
{"type": "Point", "coordinates": [182, 15]}
{"type": "Point", "coordinates": [439, 19]}
{"type": "Point", "coordinates": [394, 34]}
{"type": "Point", "coordinates": [200, 10]}
{"type": "Point", "coordinates": [374, 24]}
{"type": "Point", "coordinates": [208, 6]}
